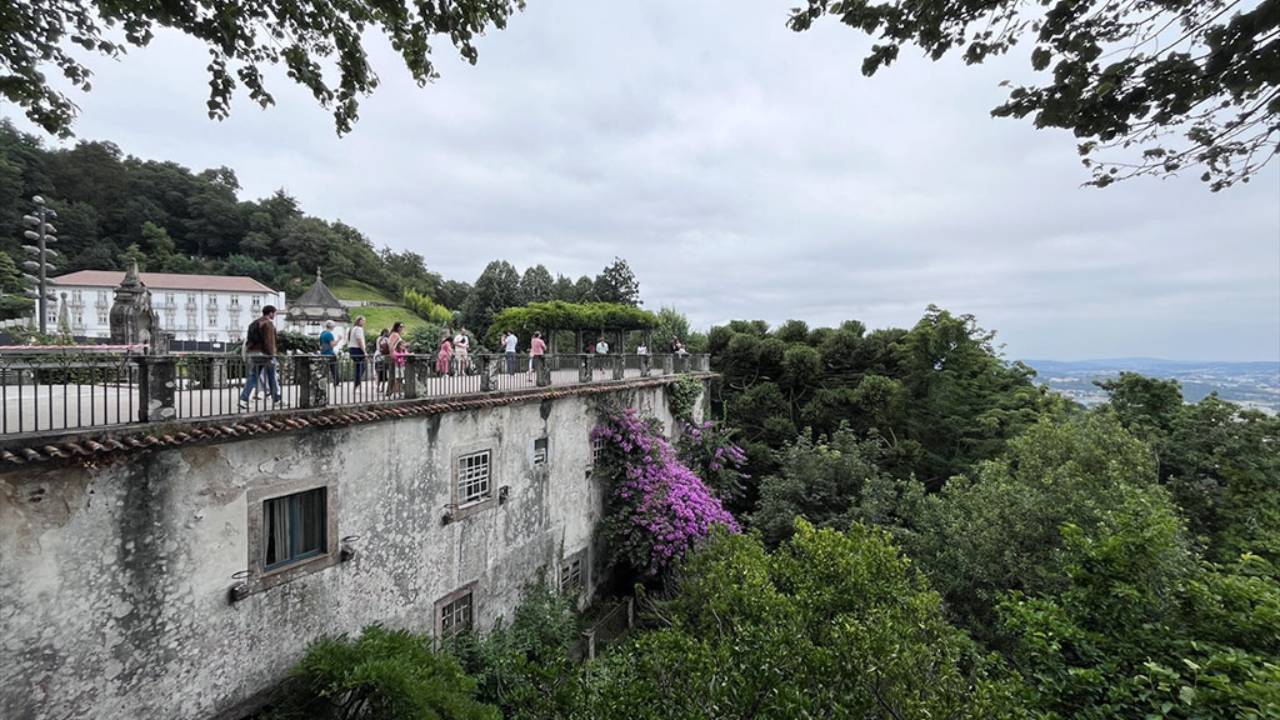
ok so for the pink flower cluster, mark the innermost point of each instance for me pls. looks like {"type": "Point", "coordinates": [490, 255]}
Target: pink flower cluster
{"type": "Point", "coordinates": [660, 508]}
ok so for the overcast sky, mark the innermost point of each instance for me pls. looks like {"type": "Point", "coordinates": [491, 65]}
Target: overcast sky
{"type": "Point", "coordinates": [744, 171]}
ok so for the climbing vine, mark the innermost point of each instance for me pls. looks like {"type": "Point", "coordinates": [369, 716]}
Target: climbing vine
{"type": "Point", "coordinates": [682, 396]}
{"type": "Point", "coordinates": [658, 507]}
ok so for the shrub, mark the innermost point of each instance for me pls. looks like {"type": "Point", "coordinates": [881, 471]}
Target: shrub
{"type": "Point", "coordinates": [524, 668]}
{"type": "Point", "coordinates": [658, 507]}
{"type": "Point", "coordinates": [382, 675]}
{"type": "Point", "coordinates": [830, 625]}
{"type": "Point", "coordinates": [682, 396]}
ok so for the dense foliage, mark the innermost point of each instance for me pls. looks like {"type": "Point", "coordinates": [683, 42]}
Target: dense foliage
{"type": "Point", "coordinates": [937, 395]}
{"type": "Point", "coordinates": [313, 40]}
{"type": "Point", "coordinates": [524, 667]}
{"type": "Point", "coordinates": [1124, 74]}
{"type": "Point", "coordinates": [830, 624]}
{"type": "Point", "coordinates": [560, 315]}
{"type": "Point", "coordinates": [381, 675]}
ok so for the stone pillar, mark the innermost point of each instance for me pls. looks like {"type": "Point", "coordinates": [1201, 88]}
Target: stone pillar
{"type": "Point", "coordinates": [312, 374]}
{"type": "Point", "coordinates": [645, 361]}
{"type": "Point", "coordinates": [619, 365]}
{"type": "Point", "coordinates": [486, 380]}
{"type": "Point", "coordinates": [157, 388]}
{"type": "Point", "coordinates": [542, 369]}
{"type": "Point", "coordinates": [416, 367]}
{"type": "Point", "coordinates": [584, 367]}
{"type": "Point", "coordinates": [668, 364]}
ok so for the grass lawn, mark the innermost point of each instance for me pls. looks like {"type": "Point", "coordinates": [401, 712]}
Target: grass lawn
{"type": "Point", "coordinates": [356, 290]}
{"type": "Point", "coordinates": [377, 318]}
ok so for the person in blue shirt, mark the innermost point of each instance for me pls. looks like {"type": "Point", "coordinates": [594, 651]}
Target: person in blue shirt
{"type": "Point", "coordinates": [329, 349]}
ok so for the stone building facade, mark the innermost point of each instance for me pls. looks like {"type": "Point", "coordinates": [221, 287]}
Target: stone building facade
{"type": "Point", "coordinates": [182, 583]}
{"type": "Point", "coordinates": [204, 311]}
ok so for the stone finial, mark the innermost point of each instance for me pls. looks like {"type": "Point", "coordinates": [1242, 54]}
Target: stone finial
{"type": "Point", "coordinates": [131, 279]}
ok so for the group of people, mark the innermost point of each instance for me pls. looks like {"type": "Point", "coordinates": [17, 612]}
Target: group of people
{"type": "Point", "coordinates": [452, 354]}
{"type": "Point", "coordinates": [390, 356]}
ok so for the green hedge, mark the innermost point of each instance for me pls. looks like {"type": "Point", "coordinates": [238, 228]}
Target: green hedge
{"type": "Point", "coordinates": [560, 315]}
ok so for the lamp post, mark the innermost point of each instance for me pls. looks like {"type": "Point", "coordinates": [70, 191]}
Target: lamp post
{"type": "Point", "coordinates": [42, 233]}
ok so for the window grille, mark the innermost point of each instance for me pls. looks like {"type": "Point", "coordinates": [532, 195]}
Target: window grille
{"type": "Point", "coordinates": [540, 451]}
{"type": "Point", "coordinates": [455, 617]}
{"type": "Point", "coordinates": [293, 528]}
{"type": "Point", "coordinates": [571, 575]}
{"type": "Point", "coordinates": [597, 451]}
{"type": "Point", "coordinates": [473, 477]}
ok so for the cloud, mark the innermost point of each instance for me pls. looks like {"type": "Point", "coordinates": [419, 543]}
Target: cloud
{"type": "Point", "coordinates": [744, 171]}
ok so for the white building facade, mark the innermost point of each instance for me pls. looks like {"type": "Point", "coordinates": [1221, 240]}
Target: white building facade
{"type": "Point", "coordinates": [213, 309]}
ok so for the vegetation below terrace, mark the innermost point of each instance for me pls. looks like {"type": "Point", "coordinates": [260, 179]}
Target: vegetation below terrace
{"type": "Point", "coordinates": [920, 532]}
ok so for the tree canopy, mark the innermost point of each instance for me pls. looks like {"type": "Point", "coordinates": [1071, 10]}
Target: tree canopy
{"type": "Point", "coordinates": [319, 43]}
{"type": "Point", "coordinates": [1150, 88]}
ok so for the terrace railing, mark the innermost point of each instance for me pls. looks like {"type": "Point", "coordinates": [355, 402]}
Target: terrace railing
{"type": "Point", "coordinates": [66, 389]}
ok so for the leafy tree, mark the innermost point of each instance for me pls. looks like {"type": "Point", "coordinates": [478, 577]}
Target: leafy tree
{"type": "Point", "coordinates": [453, 293]}
{"type": "Point", "coordinates": [563, 289]}
{"type": "Point", "coordinates": [310, 39]}
{"type": "Point", "coordinates": [829, 625]}
{"type": "Point", "coordinates": [1001, 529]}
{"type": "Point", "coordinates": [134, 254]}
{"type": "Point", "coordinates": [617, 284]}
{"type": "Point", "coordinates": [584, 290]}
{"type": "Point", "coordinates": [831, 482]}
{"type": "Point", "coordinates": [672, 325]}
{"type": "Point", "coordinates": [524, 668]}
{"type": "Point", "coordinates": [1122, 75]}
{"type": "Point", "coordinates": [156, 240]}
{"type": "Point", "coordinates": [1220, 462]}
{"type": "Point", "coordinates": [536, 285]}
{"type": "Point", "coordinates": [497, 288]}
{"type": "Point", "coordinates": [381, 674]}
{"type": "Point", "coordinates": [13, 304]}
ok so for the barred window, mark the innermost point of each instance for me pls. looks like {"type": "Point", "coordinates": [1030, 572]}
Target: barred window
{"type": "Point", "coordinates": [571, 575]}
{"type": "Point", "coordinates": [455, 616]}
{"type": "Point", "coordinates": [540, 451]}
{"type": "Point", "coordinates": [473, 477]}
{"type": "Point", "coordinates": [597, 451]}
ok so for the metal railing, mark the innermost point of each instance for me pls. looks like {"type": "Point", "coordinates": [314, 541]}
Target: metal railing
{"type": "Point", "coordinates": [70, 389]}
{"type": "Point", "coordinates": [43, 391]}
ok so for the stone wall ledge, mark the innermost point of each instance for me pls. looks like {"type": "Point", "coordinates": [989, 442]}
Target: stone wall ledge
{"type": "Point", "coordinates": [95, 445]}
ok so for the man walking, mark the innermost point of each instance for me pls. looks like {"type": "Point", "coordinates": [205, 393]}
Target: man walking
{"type": "Point", "coordinates": [260, 352]}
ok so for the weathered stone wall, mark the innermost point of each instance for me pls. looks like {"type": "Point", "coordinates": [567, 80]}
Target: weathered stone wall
{"type": "Point", "coordinates": [114, 579]}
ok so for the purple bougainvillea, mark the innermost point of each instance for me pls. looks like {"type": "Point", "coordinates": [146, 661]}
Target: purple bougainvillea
{"type": "Point", "coordinates": [659, 507]}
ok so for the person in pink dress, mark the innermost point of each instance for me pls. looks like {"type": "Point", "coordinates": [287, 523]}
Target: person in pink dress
{"type": "Point", "coordinates": [444, 356]}
{"type": "Point", "coordinates": [537, 348]}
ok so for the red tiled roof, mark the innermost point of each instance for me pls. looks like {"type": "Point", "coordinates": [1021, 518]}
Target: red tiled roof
{"type": "Point", "coordinates": [166, 281]}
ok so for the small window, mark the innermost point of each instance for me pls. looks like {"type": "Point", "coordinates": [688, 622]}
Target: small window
{"type": "Point", "coordinates": [293, 528]}
{"type": "Point", "coordinates": [597, 451]}
{"type": "Point", "coordinates": [571, 575]}
{"type": "Point", "coordinates": [473, 478]}
{"type": "Point", "coordinates": [455, 616]}
{"type": "Point", "coordinates": [540, 451]}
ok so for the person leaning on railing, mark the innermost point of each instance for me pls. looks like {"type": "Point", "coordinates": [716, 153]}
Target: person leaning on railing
{"type": "Point", "coordinates": [260, 356]}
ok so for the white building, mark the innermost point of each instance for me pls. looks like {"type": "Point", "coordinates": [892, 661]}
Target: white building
{"type": "Point", "coordinates": [194, 308]}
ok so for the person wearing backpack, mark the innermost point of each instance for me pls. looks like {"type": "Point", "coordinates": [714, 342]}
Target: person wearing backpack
{"type": "Point", "coordinates": [260, 357]}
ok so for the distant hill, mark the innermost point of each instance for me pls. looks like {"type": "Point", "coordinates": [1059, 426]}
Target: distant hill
{"type": "Point", "coordinates": [1252, 384]}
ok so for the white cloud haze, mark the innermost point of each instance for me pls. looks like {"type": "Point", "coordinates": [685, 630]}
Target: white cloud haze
{"type": "Point", "coordinates": [744, 171]}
